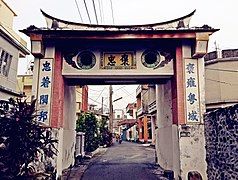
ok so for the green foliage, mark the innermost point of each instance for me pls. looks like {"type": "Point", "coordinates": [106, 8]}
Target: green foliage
{"type": "Point", "coordinates": [105, 134]}
{"type": "Point", "coordinates": [21, 138]}
{"type": "Point", "coordinates": [87, 123]}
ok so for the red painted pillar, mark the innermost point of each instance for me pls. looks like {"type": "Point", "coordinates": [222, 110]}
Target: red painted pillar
{"type": "Point", "coordinates": [57, 107]}
{"type": "Point", "coordinates": [178, 89]}
{"type": "Point", "coordinates": [85, 98]}
{"type": "Point", "coordinates": [140, 128]}
{"type": "Point", "coordinates": [145, 121]}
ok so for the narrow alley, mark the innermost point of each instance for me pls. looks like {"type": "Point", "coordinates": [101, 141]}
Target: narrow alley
{"type": "Point", "coordinates": [126, 161]}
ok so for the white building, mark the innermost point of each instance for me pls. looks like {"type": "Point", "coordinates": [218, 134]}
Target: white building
{"type": "Point", "coordinates": [12, 47]}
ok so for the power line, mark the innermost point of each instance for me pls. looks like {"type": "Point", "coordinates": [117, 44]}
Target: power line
{"type": "Point", "coordinates": [231, 84]}
{"type": "Point", "coordinates": [112, 12]}
{"type": "Point", "coordinates": [128, 93]}
{"type": "Point", "coordinates": [95, 11]}
{"type": "Point", "coordinates": [95, 90]}
{"type": "Point", "coordinates": [100, 93]}
{"type": "Point", "coordinates": [87, 11]}
{"type": "Point", "coordinates": [90, 98]}
{"type": "Point", "coordinates": [119, 88]}
{"type": "Point", "coordinates": [100, 10]}
{"type": "Point", "coordinates": [78, 10]}
{"type": "Point", "coordinates": [227, 70]}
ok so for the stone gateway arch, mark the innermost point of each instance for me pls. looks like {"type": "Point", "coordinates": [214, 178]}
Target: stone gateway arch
{"type": "Point", "coordinates": [168, 54]}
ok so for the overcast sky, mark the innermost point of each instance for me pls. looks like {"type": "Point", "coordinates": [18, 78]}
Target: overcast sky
{"type": "Point", "coordinates": [215, 13]}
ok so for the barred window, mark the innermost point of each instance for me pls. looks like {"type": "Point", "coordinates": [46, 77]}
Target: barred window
{"type": "Point", "coordinates": [5, 62]}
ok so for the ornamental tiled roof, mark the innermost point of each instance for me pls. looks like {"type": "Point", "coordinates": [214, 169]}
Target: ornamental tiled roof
{"type": "Point", "coordinates": [178, 24]}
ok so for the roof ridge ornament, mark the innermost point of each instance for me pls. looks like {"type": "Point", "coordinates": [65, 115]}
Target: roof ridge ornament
{"type": "Point", "coordinates": [178, 23]}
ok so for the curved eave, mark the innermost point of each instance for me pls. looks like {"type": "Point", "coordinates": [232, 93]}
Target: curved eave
{"type": "Point", "coordinates": [126, 34]}
{"type": "Point", "coordinates": [171, 23]}
{"type": "Point", "coordinates": [57, 26]}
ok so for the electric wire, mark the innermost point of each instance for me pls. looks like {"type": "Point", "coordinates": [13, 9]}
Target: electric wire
{"type": "Point", "coordinates": [100, 93]}
{"type": "Point", "coordinates": [223, 82]}
{"type": "Point", "coordinates": [112, 12]}
{"type": "Point", "coordinates": [91, 98]}
{"type": "Point", "coordinates": [95, 90]}
{"type": "Point", "coordinates": [78, 10]}
{"type": "Point", "coordinates": [119, 88]}
{"type": "Point", "coordinates": [95, 12]}
{"type": "Point", "coordinates": [100, 10]}
{"type": "Point", "coordinates": [128, 93]}
{"type": "Point", "coordinates": [226, 70]}
{"type": "Point", "coordinates": [86, 7]}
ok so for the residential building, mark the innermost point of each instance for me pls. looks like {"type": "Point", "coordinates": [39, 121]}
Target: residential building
{"type": "Point", "coordinates": [12, 47]}
{"type": "Point", "coordinates": [128, 129]}
{"type": "Point", "coordinates": [24, 86]}
{"type": "Point", "coordinates": [118, 115]}
{"type": "Point", "coordinates": [131, 110]}
{"type": "Point", "coordinates": [144, 123]}
{"type": "Point", "coordinates": [81, 99]}
{"type": "Point", "coordinates": [128, 126]}
{"type": "Point", "coordinates": [221, 75]}
{"type": "Point", "coordinates": [152, 112]}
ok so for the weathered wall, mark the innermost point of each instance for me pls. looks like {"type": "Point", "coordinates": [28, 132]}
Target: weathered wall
{"type": "Point", "coordinates": [192, 150]}
{"type": "Point", "coordinates": [167, 147]}
{"type": "Point", "coordinates": [216, 90]}
{"type": "Point", "coordinates": [221, 130]}
{"type": "Point", "coordinates": [69, 134]}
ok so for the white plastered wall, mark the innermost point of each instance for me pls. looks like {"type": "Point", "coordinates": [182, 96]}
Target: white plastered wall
{"type": "Point", "coordinates": [192, 145]}
{"type": "Point", "coordinates": [69, 133]}
{"type": "Point", "coordinates": [167, 148]}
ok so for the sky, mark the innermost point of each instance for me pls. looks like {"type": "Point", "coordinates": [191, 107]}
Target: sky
{"type": "Point", "coordinates": [218, 14]}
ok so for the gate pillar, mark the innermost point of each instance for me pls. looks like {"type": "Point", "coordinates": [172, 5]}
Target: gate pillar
{"type": "Point", "coordinates": [56, 104]}
{"type": "Point", "coordinates": [180, 142]}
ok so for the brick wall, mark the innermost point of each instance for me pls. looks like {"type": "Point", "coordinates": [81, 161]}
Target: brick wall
{"type": "Point", "coordinates": [221, 130]}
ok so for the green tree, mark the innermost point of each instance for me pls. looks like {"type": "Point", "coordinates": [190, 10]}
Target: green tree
{"type": "Point", "coordinates": [105, 134]}
{"type": "Point", "coordinates": [22, 138]}
{"type": "Point", "coordinates": [87, 123]}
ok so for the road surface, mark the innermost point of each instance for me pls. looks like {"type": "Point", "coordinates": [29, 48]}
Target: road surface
{"type": "Point", "coordinates": [126, 161]}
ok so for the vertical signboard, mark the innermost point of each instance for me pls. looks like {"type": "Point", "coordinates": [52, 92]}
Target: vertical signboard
{"type": "Point", "coordinates": [44, 90]}
{"type": "Point", "coordinates": [192, 91]}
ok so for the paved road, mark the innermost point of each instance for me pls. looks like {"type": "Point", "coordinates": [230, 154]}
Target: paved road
{"type": "Point", "coordinates": [126, 161]}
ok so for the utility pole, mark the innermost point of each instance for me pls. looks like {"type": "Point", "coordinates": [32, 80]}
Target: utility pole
{"type": "Point", "coordinates": [102, 106]}
{"type": "Point", "coordinates": [110, 109]}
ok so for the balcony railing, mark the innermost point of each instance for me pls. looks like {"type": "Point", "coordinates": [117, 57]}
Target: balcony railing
{"type": "Point", "coordinates": [152, 107]}
{"type": "Point", "coordinates": [142, 110]}
{"type": "Point", "coordinates": [139, 111]}
{"type": "Point", "coordinates": [138, 90]}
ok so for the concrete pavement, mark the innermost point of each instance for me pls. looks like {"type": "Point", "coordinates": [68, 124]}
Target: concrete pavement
{"type": "Point", "coordinates": [126, 161]}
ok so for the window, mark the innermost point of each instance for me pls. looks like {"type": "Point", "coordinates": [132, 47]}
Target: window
{"type": "Point", "coordinates": [5, 62]}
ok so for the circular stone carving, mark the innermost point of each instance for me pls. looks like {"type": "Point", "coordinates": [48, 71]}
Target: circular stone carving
{"type": "Point", "coordinates": [150, 58]}
{"type": "Point", "coordinates": [86, 60]}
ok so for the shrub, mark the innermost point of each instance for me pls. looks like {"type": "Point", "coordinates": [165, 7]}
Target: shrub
{"type": "Point", "coordinates": [22, 138]}
{"type": "Point", "coordinates": [105, 134]}
{"type": "Point", "coordinates": [87, 123]}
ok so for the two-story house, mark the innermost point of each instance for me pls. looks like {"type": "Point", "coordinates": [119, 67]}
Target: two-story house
{"type": "Point", "coordinates": [12, 47]}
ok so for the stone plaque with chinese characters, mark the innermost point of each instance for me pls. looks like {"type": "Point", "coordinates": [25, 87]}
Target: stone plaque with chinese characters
{"type": "Point", "coordinates": [118, 60]}
{"type": "Point", "coordinates": [44, 90]}
{"type": "Point", "coordinates": [192, 91]}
